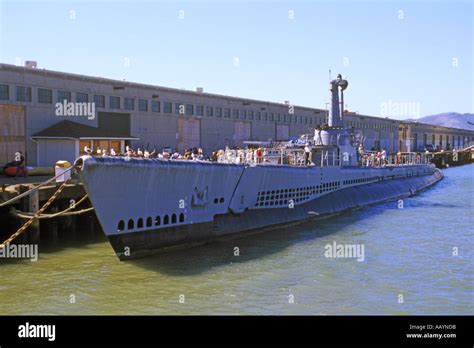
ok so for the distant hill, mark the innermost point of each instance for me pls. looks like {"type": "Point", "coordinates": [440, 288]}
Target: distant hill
{"type": "Point", "coordinates": [448, 119]}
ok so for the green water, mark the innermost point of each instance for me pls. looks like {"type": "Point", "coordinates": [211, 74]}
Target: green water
{"type": "Point", "coordinates": [408, 252]}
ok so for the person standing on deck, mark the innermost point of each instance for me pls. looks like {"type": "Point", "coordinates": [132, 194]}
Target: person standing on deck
{"type": "Point", "coordinates": [384, 156]}
{"type": "Point", "coordinates": [360, 153]}
{"type": "Point", "coordinates": [378, 159]}
{"type": "Point", "coordinates": [307, 154]}
{"type": "Point", "coordinates": [259, 155]}
{"type": "Point", "coordinates": [372, 159]}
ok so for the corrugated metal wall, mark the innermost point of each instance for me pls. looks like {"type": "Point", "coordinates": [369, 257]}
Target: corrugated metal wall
{"type": "Point", "coordinates": [52, 150]}
{"type": "Point", "coordinates": [241, 133]}
{"type": "Point", "coordinates": [282, 132]}
{"type": "Point", "coordinates": [12, 132]}
{"type": "Point", "coordinates": [189, 133]}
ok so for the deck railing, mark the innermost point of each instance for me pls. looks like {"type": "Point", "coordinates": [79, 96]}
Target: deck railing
{"type": "Point", "coordinates": [370, 159]}
{"type": "Point", "coordinates": [322, 157]}
{"type": "Point", "coordinates": [289, 156]}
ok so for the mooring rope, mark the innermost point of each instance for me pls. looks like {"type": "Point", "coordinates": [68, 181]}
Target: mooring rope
{"type": "Point", "coordinates": [50, 216]}
{"type": "Point", "coordinates": [30, 191]}
{"type": "Point", "coordinates": [37, 214]}
{"type": "Point", "coordinates": [65, 212]}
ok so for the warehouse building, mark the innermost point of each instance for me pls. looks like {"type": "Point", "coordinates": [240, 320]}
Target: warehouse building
{"type": "Point", "coordinates": [116, 113]}
{"type": "Point", "coordinates": [416, 136]}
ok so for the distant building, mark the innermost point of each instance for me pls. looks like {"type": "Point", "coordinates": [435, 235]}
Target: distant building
{"type": "Point", "coordinates": [148, 116]}
{"type": "Point", "coordinates": [416, 136]}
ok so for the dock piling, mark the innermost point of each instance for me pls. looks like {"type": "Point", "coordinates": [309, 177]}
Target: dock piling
{"type": "Point", "coordinates": [33, 234]}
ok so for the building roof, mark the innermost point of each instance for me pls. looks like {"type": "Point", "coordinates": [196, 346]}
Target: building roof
{"type": "Point", "coordinates": [72, 130]}
{"type": "Point", "coordinates": [114, 83]}
{"type": "Point", "coordinates": [122, 84]}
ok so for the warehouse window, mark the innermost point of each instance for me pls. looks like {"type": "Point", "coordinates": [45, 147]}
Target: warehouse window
{"type": "Point", "coordinates": [45, 96]}
{"type": "Point", "coordinates": [235, 113]}
{"type": "Point", "coordinates": [23, 94]}
{"type": "Point", "coordinates": [209, 111]}
{"type": "Point", "coordinates": [167, 107]}
{"type": "Point", "coordinates": [155, 106]}
{"type": "Point", "coordinates": [199, 110]}
{"type": "Point", "coordinates": [227, 113]}
{"type": "Point", "coordinates": [250, 115]}
{"type": "Point", "coordinates": [272, 116]}
{"type": "Point", "coordinates": [179, 109]}
{"type": "Point", "coordinates": [129, 104]}
{"type": "Point", "coordinates": [142, 105]}
{"type": "Point", "coordinates": [265, 116]}
{"type": "Point", "coordinates": [64, 96]}
{"type": "Point", "coordinates": [99, 101]}
{"type": "Point", "coordinates": [114, 102]}
{"type": "Point", "coordinates": [218, 112]}
{"type": "Point", "coordinates": [243, 114]}
{"type": "Point", "coordinates": [189, 109]}
{"type": "Point", "coordinates": [4, 92]}
{"type": "Point", "coordinates": [82, 97]}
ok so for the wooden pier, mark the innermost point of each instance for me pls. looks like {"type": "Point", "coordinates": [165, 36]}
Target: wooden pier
{"type": "Point", "coordinates": [82, 228]}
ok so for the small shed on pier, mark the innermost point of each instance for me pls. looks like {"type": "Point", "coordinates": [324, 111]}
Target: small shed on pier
{"type": "Point", "coordinates": [66, 140]}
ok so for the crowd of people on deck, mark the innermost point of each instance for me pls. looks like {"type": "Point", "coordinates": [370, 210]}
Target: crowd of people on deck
{"type": "Point", "coordinates": [372, 158]}
{"type": "Point", "coordinates": [375, 158]}
{"type": "Point", "coordinates": [239, 155]}
{"type": "Point", "coordinates": [188, 154]}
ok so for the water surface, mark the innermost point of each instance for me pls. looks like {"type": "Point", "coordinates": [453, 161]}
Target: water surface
{"type": "Point", "coordinates": [408, 252]}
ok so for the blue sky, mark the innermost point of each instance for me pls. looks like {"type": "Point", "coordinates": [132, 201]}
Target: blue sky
{"type": "Point", "coordinates": [391, 56]}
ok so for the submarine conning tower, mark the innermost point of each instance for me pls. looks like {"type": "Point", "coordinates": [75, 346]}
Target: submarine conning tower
{"type": "Point", "coordinates": [337, 103]}
{"type": "Point", "coordinates": [330, 133]}
{"type": "Point", "coordinates": [333, 137]}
